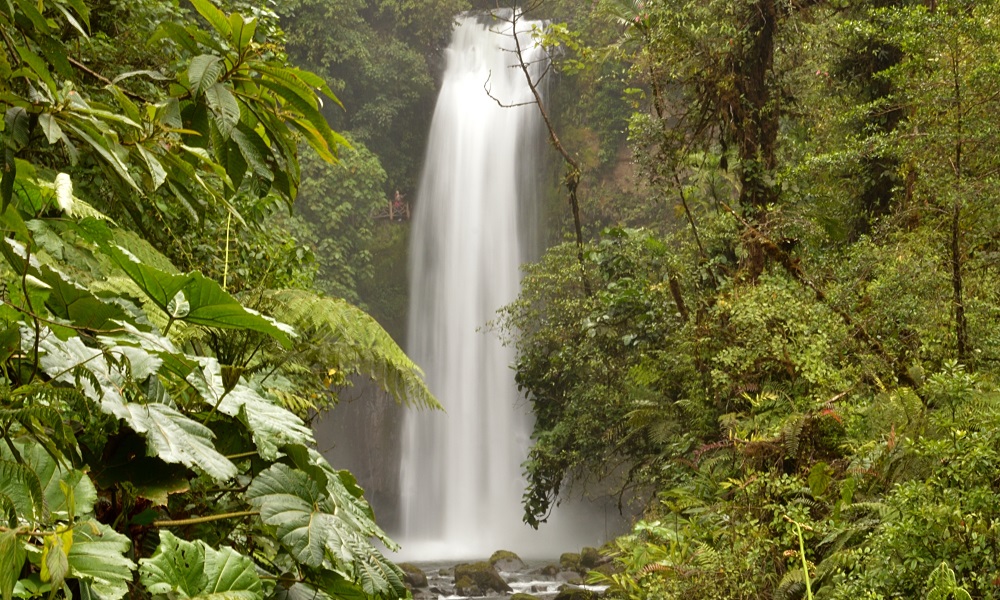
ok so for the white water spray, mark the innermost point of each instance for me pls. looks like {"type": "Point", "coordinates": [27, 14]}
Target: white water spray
{"type": "Point", "coordinates": [461, 481]}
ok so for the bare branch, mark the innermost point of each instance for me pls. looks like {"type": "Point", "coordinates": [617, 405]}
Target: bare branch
{"type": "Point", "coordinates": [500, 103]}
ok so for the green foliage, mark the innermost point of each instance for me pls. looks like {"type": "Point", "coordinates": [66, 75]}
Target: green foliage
{"type": "Point", "coordinates": [379, 56]}
{"type": "Point", "coordinates": [334, 217]}
{"type": "Point", "coordinates": [195, 570]}
{"type": "Point", "coordinates": [135, 398]}
{"type": "Point", "coordinates": [347, 341]}
{"type": "Point", "coordinates": [808, 330]}
{"type": "Point", "coordinates": [187, 411]}
{"type": "Point", "coordinates": [942, 585]}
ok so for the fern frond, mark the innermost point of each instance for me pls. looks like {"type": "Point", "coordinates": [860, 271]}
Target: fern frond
{"type": "Point", "coordinates": [344, 337]}
{"type": "Point", "coordinates": [707, 558]}
{"type": "Point", "coordinates": [792, 586]}
{"type": "Point", "coordinates": [45, 425]}
{"type": "Point", "coordinates": [791, 434]}
{"type": "Point", "coordinates": [21, 487]}
{"type": "Point", "coordinates": [838, 561]}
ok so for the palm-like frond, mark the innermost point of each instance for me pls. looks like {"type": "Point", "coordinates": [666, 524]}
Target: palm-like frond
{"type": "Point", "coordinates": [345, 338]}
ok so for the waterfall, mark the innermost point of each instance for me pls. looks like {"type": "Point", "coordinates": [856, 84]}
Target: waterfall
{"type": "Point", "coordinates": [461, 481]}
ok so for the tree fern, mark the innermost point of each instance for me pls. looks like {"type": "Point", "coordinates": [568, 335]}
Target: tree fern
{"type": "Point", "coordinates": [341, 336]}
{"type": "Point", "coordinates": [792, 586]}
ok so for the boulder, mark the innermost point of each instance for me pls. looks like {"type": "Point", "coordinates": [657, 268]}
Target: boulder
{"type": "Point", "coordinates": [465, 586]}
{"type": "Point", "coordinates": [482, 576]}
{"type": "Point", "coordinates": [571, 593]}
{"type": "Point", "coordinates": [413, 575]}
{"type": "Point", "coordinates": [549, 570]}
{"type": "Point", "coordinates": [570, 577]}
{"type": "Point", "coordinates": [590, 557]}
{"type": "Point", "coordinates": [507, 561]}
{"type": "Point", "coordinates": [570, 561]}
{"type": "Point", "coordinates": [521, 596]}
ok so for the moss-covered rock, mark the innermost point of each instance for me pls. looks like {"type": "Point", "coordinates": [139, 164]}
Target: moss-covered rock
{"type": "Point", "coordinates": [505, 560]}
{"type": "Point", "coordinates": [570, 577]}
{"type": "Point", "coordinates": [413, 575]}
{"type": "Point", "coordinates": [571, 593]}
{"type": "Point", "coordinates": [483, 576]}
{"type": "Point", "coordinates": [549, 570]}
{"type": "Point", "coordinates": [465, 586]}
{"type": "Point", "coordinates": [590, 557]}
{"type": "Point", "coordinates": [570, 561]}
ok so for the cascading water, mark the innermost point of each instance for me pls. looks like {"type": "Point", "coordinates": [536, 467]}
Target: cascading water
{"type": "Point", "coordinates": [461, 480]}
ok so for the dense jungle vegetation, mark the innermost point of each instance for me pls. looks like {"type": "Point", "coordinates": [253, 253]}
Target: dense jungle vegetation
{"type": "Point", "coordinates": [772, 330]}
{"type": "Point", "coordinates": [777, 336]}
{"type": "Point", "coordinates": [153, 415]}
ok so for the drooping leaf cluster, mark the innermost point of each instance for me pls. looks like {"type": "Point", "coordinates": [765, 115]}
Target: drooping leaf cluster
{"type": "Point", "coordinates": [153, 441]}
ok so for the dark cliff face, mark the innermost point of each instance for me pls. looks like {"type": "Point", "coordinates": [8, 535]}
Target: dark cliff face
{"type": "Point", "coordinates": [362, 435]}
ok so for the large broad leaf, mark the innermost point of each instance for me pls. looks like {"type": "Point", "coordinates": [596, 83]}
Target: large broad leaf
{"type": "Point", "coordinates": [208, 304]}
{"type": "Point", "coordinates": [272, 426]}
{"type": "Point", "coordinates": [254, 150]}
{"type": "Point", "coordinates": [98, 555]}
{"type": "Point", "coordinates": [157, 174]}
{"type": "Point", "coordinates": [215, 17]}
{"type": "Point", "coordinates": [60, 359]}
{"type": "Point", "coordinates": [242, 31]}
{"type": "Point", "coordinates": [153, 343]}
{"type": "Point", "coordinates": [170, 435]}
{"type": "Point", "coordinates": [77, 304]}
{"type": "Point", "coordinates": [377, 574]}
{"type": "Point", "coordinates": [203, 72]}
{"type": "Point", "coordinates": [316, 523]}
{"type": "Point", "coordinates": [193, 570]}
{"type": "Point", "coordinates": [106, 148]}
{"type": "Point", "coordinates": [303, 591]}
{"type": "Point", "coordinates": [343, 490]}
{"type": "Point", "coordinates": [224, 107]}
{"type": "Point", "coordinates": [302, 514]}
{"type": "Point", "coordinates": [175, 438]}
{"type": "Point", "coordinates": [349, 339]}
{"type": "Point", "coordinates": [53, 477]}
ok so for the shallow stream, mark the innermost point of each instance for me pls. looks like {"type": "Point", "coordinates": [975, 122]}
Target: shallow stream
{"type": "Point", "coordinates": [542, 579]}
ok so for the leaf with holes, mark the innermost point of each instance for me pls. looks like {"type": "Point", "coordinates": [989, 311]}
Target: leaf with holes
{"type": "Point", "coordinates": [193, 570]}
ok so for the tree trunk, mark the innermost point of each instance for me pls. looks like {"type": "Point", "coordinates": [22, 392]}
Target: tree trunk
{"type": "Point", "coordinates": [753, 121]}
{"type": "Point", "coordinates": [754, 117]}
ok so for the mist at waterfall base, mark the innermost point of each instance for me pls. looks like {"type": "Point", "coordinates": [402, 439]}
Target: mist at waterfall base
{"type": "Point", "coordinates": [461, 481]}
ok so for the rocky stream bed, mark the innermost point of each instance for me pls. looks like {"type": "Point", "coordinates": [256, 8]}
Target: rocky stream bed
{"type": "Point", "coordinates": [506, 576]}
